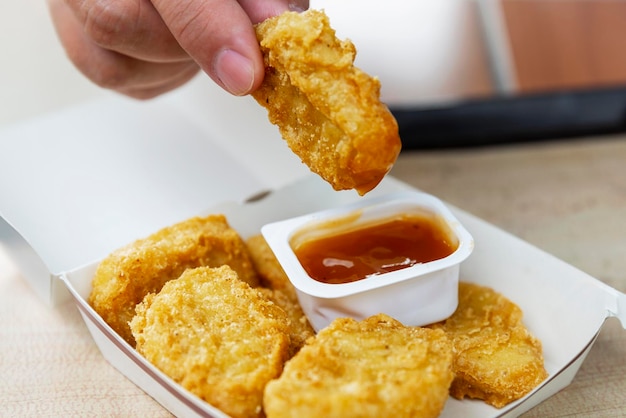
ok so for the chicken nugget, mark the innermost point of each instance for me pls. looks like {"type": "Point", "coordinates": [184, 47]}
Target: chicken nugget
{"type": "Point", "coordinates": [328, 111]}
{"type": "Point", "coordinates": [216, 336]}
{"type": "Point", "coordinates": [279, 290]}
{"type": "Point", "coordinates": [373, 368]}
{"type": "Point", "coordinates": [128, 274]}
{"type": "Point", "coordinates": [271, 273]}
{"type": "Point", "coordinates": [496, 358]}
{"type": "Point", "coordinates": [300, 330]}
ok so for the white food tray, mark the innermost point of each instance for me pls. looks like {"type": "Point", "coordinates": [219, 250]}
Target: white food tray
{"type": "Point", "coordinates": [564, 307]}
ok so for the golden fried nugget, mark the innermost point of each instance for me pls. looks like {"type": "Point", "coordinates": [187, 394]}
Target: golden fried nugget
{"type": "Point", "coordinates": [300, 330]}
{"type": "Point", "coordinates": [279, 290]}
{"type": "Point", "coordinates": [216, 336]}
{"type": "Point", "coordinates": [373, 368]}
{"type": "Point", "coordinates": [128, 274]}
{"type": "Point", "coordinates": [327, 110]}
{"type": "Point", "coordinates": [496, 358]}
{"type": "Point", "coordinates": [271, 273]}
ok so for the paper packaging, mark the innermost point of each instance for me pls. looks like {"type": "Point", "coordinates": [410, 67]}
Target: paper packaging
{"type": "Point", "coordinates": [70, 193]}
{"type": "Point", "coordinates": [97, 176]}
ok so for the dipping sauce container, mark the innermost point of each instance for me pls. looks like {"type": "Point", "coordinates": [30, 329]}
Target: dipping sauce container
{"type": "Point", "coordinates": [398, 254]}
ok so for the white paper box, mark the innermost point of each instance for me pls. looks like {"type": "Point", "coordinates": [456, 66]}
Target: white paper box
{"type": "Point", "coordinates": [78, 184]}
{"type": "Point", "coordinates": [99, 175]}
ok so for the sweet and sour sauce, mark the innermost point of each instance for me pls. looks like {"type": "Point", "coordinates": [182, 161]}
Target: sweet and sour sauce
{"type": "Point", "coordinates": [372, 249]}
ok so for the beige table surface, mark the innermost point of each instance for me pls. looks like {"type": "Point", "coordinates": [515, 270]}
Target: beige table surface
{"type": "Point", "coordinates": [568, 198]}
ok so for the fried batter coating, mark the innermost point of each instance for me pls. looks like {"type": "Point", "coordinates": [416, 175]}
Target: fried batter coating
{"type": "Point", "coordinates": [267, 266]}
{"type": "Point", "coordinates": [300, 330]}
{"type": "Point", "coordinates": [373, 368]}
{"type": "Point", "coordinates": [279, 290]}
{"type": "Point", "coordinates": [327, 110]}
{"type": "Point", "coordinates": [128, 274]}
{"type": "Point", "coordinates": [496, 358]}
{"type": "Point", "coordinates": [216, 336]}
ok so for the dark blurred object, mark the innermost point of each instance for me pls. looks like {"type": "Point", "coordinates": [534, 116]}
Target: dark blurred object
{"type": "Point", "coordinates": [521, 118]}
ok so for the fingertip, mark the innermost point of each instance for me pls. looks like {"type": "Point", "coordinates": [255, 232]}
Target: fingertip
{"type": "Point", "coordinates": [235, 73]}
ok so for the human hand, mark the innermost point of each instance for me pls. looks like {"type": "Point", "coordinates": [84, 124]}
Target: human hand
{"type": "Point", "coordinates": [143, 48]}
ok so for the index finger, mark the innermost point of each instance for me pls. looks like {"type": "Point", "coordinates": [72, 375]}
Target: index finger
{"type": "Point", "coordinates": [219, 36]}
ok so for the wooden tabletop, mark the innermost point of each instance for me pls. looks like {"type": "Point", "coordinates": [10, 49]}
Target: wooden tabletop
{"type": "Point", "coordinates": [566, 197]}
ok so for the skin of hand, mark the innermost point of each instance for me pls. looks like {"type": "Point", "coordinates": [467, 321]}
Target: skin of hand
{"type": "Point", "coordinates": [143, 48]}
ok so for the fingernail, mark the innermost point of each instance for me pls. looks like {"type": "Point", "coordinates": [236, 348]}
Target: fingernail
{"type": "Point", "coordinates": [234, 71]}
{"type": "Point", "coordinates": [296, 7]}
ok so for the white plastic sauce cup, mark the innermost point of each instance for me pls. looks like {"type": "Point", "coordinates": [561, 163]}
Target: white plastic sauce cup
{"type": "Point", "coordinates": [418, 295]}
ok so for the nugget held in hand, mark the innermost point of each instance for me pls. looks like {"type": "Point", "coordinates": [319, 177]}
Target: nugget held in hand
{"type": "Point", "coordinates": [144, 266]}
{"type": "Point", "coordinates": [496, 358]}
{"type": "Point", "coordinates": [373, 368]}
{"type": "Point", "coordinates": [216, 336]}
{"type": "Point", "coordinates": [327, 110]}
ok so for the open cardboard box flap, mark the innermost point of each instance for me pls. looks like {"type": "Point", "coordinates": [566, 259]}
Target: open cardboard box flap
{"type": "Point", "coordinates": [78, 184]}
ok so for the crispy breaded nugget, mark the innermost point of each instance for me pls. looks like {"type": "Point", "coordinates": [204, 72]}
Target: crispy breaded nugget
{"type": "Point", "coordinates": [128, 274]}
{"type": "Point", "coordinates": [279, 290]}
{"type": "Point", "coordinates": [216, 336]}
{"type": "Point", "coordinates": [267, 266]}
{"type": "Point", "coordinates": [373, 368]}
{"type": "Point", "coordinates": [327, 110]}
{"type": "Point", "coordinates": [496, 358]}
{"type": "Point", "coordinates": [300, 330]}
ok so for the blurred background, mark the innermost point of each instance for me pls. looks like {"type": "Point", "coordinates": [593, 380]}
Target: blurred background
{"type": "Point", "coordinates": [478, 72]}
{"type": "Point", "coordinates": [455, 72]}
